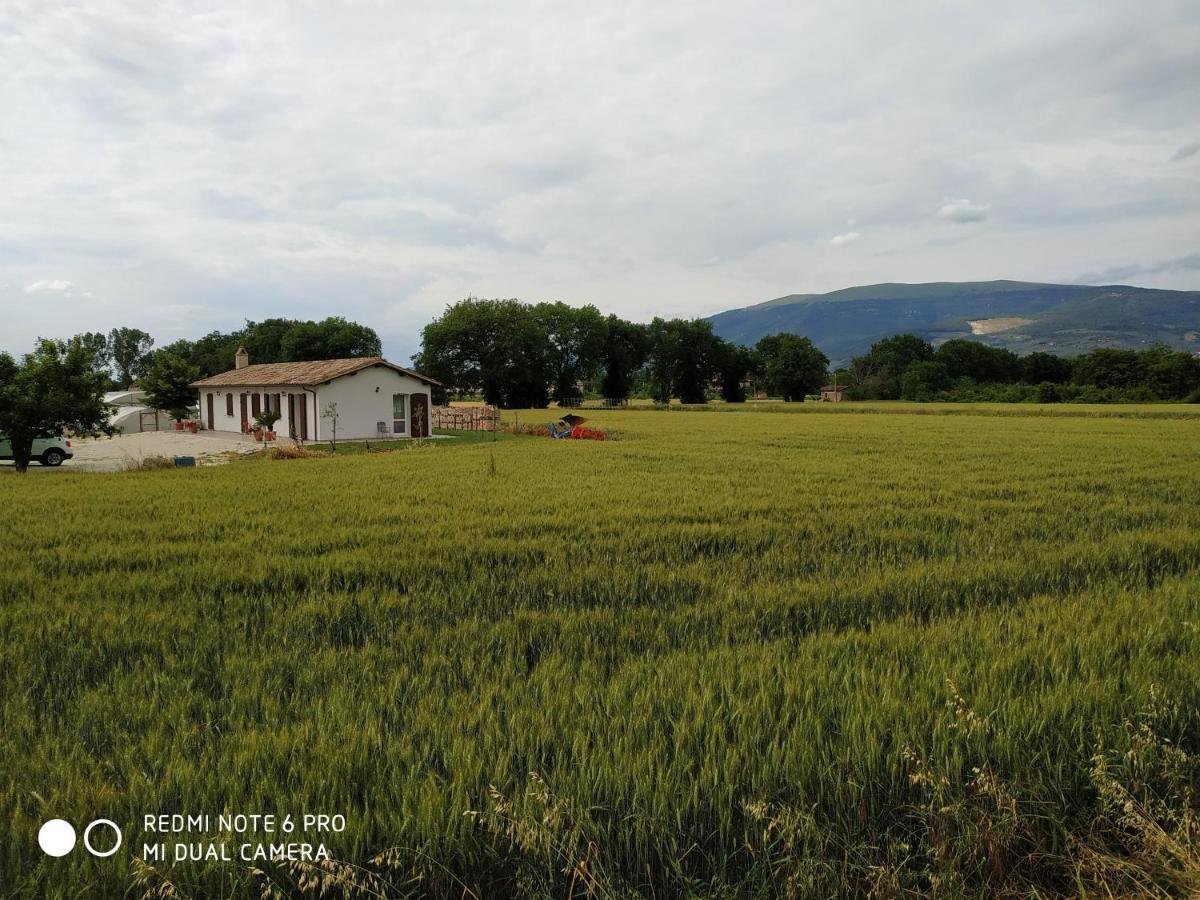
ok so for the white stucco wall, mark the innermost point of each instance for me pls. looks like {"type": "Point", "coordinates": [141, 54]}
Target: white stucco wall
{"type": "Point", "coordinates": [223, 422]}
{"type": "Point", "coordinates": [363, 399]}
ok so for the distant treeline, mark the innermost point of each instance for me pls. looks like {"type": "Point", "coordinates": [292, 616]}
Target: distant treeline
{"type": "Point", "coordinates": [523, 355]}
{"type": "Point", "coordinates": [906, 367]}
{"type": "Point", "coordinates": [516, 354]}
{"type": "Point", "coordinates": [128, 355]}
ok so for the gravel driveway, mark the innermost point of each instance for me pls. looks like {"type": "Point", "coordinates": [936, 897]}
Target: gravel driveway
{"type": "Point", "coordinates": [120, 452]}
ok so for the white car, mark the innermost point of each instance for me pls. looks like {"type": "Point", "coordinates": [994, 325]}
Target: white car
{"type": "Point", "coordinates": [49, 451]}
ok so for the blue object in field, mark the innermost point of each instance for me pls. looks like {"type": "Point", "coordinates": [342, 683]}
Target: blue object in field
{"type": "Point", "coordinates": [185, 462]}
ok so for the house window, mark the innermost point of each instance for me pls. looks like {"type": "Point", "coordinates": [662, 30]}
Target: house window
{"type": "Point", "coordinates": [229, 404]}
{"type": "Point", "coordinates": [399, 413]}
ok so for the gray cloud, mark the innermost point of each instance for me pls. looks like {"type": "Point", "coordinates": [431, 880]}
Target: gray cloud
{"type": "Point", "coordinates": [197, 164]}
{"type": "Point", "coordinates": [1186, 264]}
{"type": "Point", "coordinates": [1187, 151]}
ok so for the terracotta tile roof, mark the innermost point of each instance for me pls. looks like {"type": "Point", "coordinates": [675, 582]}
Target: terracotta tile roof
{"type": "Point", "coordinates": [833, 387]}
{"type": "Point", "coordinates": [301, 373]}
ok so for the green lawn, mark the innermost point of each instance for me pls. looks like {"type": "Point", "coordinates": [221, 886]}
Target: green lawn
{"type": "Point", "coordinates": [730, 655]}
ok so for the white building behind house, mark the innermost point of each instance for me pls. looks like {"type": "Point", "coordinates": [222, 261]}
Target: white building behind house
{"type": "Point", "coordinates": [374, 398]}
{"type": "Point", "coordinates": [133, 413]}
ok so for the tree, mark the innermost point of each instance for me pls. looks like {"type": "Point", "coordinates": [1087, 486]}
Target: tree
{"type": "Point", "coordinates": [1039, 368]}
{"type": "Point", "coordinates": [734, 363]}
{"type": "Point", "coordinates": [792, 366]}
{"type": "Point", "coordinates": [683, 356]}
{"type": "Point", "coordinates": [331, 413]}
{"type": "Point", "coordinates": [96, 343]}
{"type": "Point", "coordinates": [575, 337]}
{"type": "Point", "coordinates": [167, 383]}
{"type": "Point", "coordinates": [332, 338]}
{"type": "Point", "coordinates": [497, 348]}
{"type": "Point", "coordinates": [624, 352]}
{"type": "Point", "coordinates": [1169, 374]}
{"type": "Point", "coordinates": [979, 362]}
{"type": "Point", "coordinates": [876, 375]}
{"type": "Point", "coordinates": [264, 341]}
{"type": "Point", "coordinates": [1108, 368]}
{"type": "Point", "coordinates": [56, 389]}
{"type": "Point", "coordinates": [130, 351]}
{"type": "Point", "coordinates": [922, 380]}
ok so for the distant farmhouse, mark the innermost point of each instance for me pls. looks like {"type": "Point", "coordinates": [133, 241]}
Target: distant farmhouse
{"type": "Point", "coordinates": [833, 392]}
{"type": "Point", "coordinates": [375, 398]}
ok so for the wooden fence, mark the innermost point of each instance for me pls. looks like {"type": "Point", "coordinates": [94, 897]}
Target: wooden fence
{"type": "Point", "coordinates": [466, 418]}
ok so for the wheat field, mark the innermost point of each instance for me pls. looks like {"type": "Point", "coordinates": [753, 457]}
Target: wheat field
{"type": "Point", "coordinates": [724, 655]}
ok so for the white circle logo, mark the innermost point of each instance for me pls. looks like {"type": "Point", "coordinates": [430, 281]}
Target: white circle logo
{"type": "Point", "coordinates": [87, 833]}
{"type": "Point", "coordinates": [56, 837]}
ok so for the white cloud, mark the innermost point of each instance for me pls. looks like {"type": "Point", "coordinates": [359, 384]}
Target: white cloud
{"type": "Point", "coordinates": [963, 210]}
{"type": "Point", "coordinates": [849, 237]}
{"type": "Point", "coordinates": [52, 286]}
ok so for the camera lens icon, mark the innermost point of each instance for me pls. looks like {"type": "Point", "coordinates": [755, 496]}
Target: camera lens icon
{"type": "Point", "coordinates": [57, 837]}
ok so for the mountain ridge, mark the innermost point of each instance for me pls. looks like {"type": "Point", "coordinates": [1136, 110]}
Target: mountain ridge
{"type": "Point", "coordinates": [1022, 316]}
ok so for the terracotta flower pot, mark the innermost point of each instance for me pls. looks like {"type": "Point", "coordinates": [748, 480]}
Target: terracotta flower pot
{"type": "Point", "coordinates": [257, 432]}
{"type": "Point", "coordinates": [179, 426]}
{"type": "Point", "coordinates": [270, 435]}
{"type": "Point", "coordinates": [194, 427]}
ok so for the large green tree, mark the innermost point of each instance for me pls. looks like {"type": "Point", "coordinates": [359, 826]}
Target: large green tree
{"type": "Point", "coordinates": [1108, 368]}
{"type": "Point", "coordinates": [683, 359]}
{"type": "Point", "coordinates": [876, 375]}
{"type": "Point", "coordinates": [56, 389]}
{"type": "Point", "coordinates": [96, 343]}
{"type": "Point", "coordinates": [167, 383]}
{"type": "Point", "coordinates": [575, 337]}
{"type": "Point", "coordinates": [734, 364]}
{"type": "Point", "coordinates": [971, 359]}
{"type": "Point", "coordinates": [791, 365]}
{"type": "Point", "coordinates": [332, 338]}
{"type": "Point", "coordinates": [129, 349]}
{"type": "Point", "coordinates": [497, 348]}
{"type": "Point", "coordinates": [626, 346]}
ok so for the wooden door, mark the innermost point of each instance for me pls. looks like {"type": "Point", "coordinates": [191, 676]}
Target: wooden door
{"type": "Point", "coordinates": [304, 417]}
{"type": "Point", "coordinates": [210, 410]}
{"type": "Point", "coordinates": [418, 416]}
{"type": "Point", "coordinates": [292, 415]}
{"type": "Point", "coordinates": [245, 418]}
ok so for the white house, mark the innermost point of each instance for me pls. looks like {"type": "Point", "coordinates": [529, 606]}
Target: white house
{"type": "Point", "coordinates": [375, 398]}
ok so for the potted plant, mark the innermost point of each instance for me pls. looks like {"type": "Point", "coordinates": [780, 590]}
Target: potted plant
{"type": "Point", "coordinates": [265, 424]}
{"type": "Point", "coordinates": [180, 415]}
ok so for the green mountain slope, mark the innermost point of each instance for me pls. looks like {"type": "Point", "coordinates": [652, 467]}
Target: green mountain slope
{"type": "Point", "coordinates": [1022, 316]}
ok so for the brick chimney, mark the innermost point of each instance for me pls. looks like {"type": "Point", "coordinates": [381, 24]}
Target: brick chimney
{"type": "Point", "coordinates": [241, 359]}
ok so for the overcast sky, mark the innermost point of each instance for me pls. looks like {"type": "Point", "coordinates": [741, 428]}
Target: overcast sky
{"type": "Point", "coordinates": [179, 169]}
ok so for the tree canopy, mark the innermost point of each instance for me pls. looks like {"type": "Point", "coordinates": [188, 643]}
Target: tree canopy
{"type": "Point", "coordinates": [792, 367]}
{"type": "Point", "coordinates": [167, 383]}
{"type": "Point", "coordinates": [56, 389]}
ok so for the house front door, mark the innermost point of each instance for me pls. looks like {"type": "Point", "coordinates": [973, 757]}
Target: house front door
{"type": "Point", "coordinates": [210, 410]}
{"type": "Point", "coordinates": [245, 419]}
{"type": "Point", "coordinates": [418, 416]}
{"type": "Point", "coordinates": [292, 415]}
